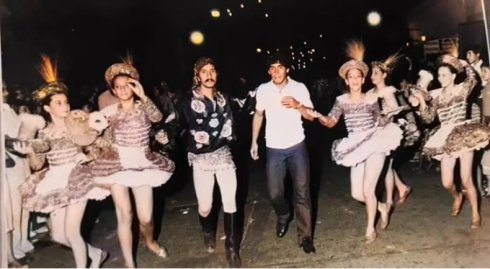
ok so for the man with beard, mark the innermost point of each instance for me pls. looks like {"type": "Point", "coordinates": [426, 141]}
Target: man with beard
{"type": "Point", "coordinates": [207, 115]}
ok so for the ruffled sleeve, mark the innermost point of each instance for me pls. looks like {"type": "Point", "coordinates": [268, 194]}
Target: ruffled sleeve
{"type": "Point", "coordinates": [470, 81]}
{"type": "Point", "coordinates": [38, 158]}
{"type": "Point", "coordinates": [151, 111]}
{"type": "Point", "coordinates": [336, 111]}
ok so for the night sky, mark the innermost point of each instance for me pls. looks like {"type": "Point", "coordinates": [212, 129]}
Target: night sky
{"type": "Point", "coordinates": [87, 36]}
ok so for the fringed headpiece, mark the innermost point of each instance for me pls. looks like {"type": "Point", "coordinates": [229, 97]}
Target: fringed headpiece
{"type": "Point", "coordinates": [387, 65]}
{"type": "Point", "coordinates": [355, 50]}
{"type": "Point", "coordinates": [124, 68]}
{"type": "Point", "coordinates": [49, 72]}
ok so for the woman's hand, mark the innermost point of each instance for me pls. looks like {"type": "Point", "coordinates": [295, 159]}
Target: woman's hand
{"type": "Point", "coordinates": [416, 98]}
{"type": "Point", "coordinates": [81, 158]}
{"type": "Point", "coordinates": [162, 137]}
{"type": "Point", "coordinates": [23, 147]}
{"type": "Point", "coordinates": [137, 88]}
{"type": "Point", "coordinates": [327, 121]}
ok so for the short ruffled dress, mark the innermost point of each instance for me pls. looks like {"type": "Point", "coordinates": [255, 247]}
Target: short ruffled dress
{"type": "Point", "coordinates": [130, 161]}
{"type": "Point", "coordinates": [62, 182]}
{"type": "Point", "coordinates": [365, 135]}
{"type": "Point", "coordinates": [455, 135]}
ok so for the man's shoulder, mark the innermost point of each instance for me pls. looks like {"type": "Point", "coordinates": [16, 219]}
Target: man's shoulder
{"type": "Point", "coordinates": [265, 86]}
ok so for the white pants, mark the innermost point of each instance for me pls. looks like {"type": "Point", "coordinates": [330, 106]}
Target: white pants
{"type": "Point", "coordinates": [204, 186]}
{"type": "Point", "coordinates": [20, 218]}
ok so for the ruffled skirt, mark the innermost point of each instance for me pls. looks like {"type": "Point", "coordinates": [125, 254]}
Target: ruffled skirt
{"type": "Point", "coordinates": [59, 186]}
{"type": "Point", "coordinates": [132, 167]}
{"type": "Point", "coordinates": [452, 140]}
{"type": "Point", "coordinates": [357, 147]}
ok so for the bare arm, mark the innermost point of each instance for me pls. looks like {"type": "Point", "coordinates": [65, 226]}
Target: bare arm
{"type": "Point", "coordinates": [256, 125]}
{"type": "Point", "coordinates": [306, 112]}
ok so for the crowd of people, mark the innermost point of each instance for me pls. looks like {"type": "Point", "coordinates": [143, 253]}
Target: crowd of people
{"type": "Point", "coordinates": [59, 158]}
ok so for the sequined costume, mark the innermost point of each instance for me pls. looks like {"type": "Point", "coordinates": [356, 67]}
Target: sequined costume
{"type": "Point", "coordinates": [130, 161]}
{"type": "Point", "coordinates": [63, 181]}
{"type": "Point", "coordinates": [455, 135]}
{"type": "Point", "coordinates": [405, 119]}
{"type": "Point", "coordinates": [368, 131]}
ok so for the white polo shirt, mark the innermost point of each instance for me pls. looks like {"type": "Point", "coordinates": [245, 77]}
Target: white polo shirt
{"type": "Point", "coordinates": [284, 127]}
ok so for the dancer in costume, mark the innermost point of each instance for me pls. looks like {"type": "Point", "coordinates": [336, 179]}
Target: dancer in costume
{"type": "Point", "coordinates": [129, 163]}
{"type": "Point", "coordinates": [379, 73]}
{"type": "Point", "coordinates": [456, 138]}
{"type": "Point", "coordinates": [208, 117]}
{"type": "Point", "coordinates": [62, 188]}
{"type": "Point", "coordinates": [371, 137]}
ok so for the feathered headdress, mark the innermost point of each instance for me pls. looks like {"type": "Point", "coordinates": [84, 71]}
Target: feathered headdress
{"type": "Point", "coordinates": [387, 65]}
{"type": "Point", "coordinates": [49, 72]}
{"type": "Point", "coordinates": [355, 50]}
{"type": "Point", "coordinates": [124, 68]}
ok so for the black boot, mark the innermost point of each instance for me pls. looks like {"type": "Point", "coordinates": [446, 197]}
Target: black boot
{"type": "Point", "coordinates": [233, 233]}
{"type": "Point", "coordinates": [208, 225]}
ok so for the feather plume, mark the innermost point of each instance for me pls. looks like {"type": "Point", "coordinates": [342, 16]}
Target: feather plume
{"type": "Point", "coordinates": [355, 49]}
{"type": "Point", "coordinates": [128, 59]}
{"type": "Point", "coordinates": [48, 70]}
{"type": "Point", "coordinates": [392, 59]}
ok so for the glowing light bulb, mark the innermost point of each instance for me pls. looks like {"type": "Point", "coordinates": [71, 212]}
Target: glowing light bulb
{"type": "Point", "coordinates": [215, 13]}
{"type": "Point", "coordinates": [197, 38]}
{"type": "Point", "coordinates": [374, 18]}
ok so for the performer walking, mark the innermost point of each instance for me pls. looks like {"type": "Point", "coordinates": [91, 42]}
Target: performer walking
{"type": "Point", "coordinates": [456, 138]}
{"type": "Point", "coordinates": [61, 189]}
{"type": "Point", "coordinates": [379, 74]}
{"type": "Point", "coordinates": [208, 117]}
{"type": "Point", "coordinates": [129, 163]}
{"type": "Point", "coordinates": [370, 138]}
{"type": "Point", "coordinates": [284, 102]}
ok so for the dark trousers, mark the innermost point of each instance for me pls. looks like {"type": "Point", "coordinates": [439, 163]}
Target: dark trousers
{"type": "Point", "coordinates": [295, 160]}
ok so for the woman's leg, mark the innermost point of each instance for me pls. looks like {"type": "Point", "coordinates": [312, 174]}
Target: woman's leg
{"type": "Point", "coordinates": [57, 226]}
{"type": "Point", "coordinates": [466, 163]}
{"type": "Point", "coordinates": [447, 178]}
{"type": "Point", "coordinates": [73, 221]}
{"type": "Point", "coordinates": [390, 182]}
{"type": "Point", "coordinates": [143, 197]}
{"type": "Point", "coordinates": [120, 195]}
{"type": "Point", "coordinates": [403, 189]}
{"type": "Point", "coordinates": [357, 181]}
{"type": "Point", "coordinates": [374, 165]}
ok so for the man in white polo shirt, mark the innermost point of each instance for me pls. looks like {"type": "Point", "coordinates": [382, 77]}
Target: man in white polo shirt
{"type": "Point", "coordinates": [284, 102]}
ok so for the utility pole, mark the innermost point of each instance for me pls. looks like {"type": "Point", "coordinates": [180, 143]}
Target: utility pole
{"type": "Point", "coordinates": [485, 6]}
{"type": "Point", "coordinates": [3, 179]}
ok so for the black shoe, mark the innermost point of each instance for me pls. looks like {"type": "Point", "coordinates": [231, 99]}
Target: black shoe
{"type": "Point", "coordinates": [209, 242]}
{"type": "Point", "coordinates": [233, 232]}
{"type": "Point", "coordinates": [307, 245]}
{"type": "Point", "coordinates": [281, 229]}
{"type": "Point", "coordinates": [233, 258]}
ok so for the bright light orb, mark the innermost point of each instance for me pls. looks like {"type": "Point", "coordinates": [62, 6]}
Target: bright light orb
{"type": "Point", "coordinates": [259, 50]}
{"type": "Point", "coordinates": [215, 13]}
{"type": "Point", "coordinates": [373, 18]}
{"type": "Point", "coordinates": [196, 38]}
